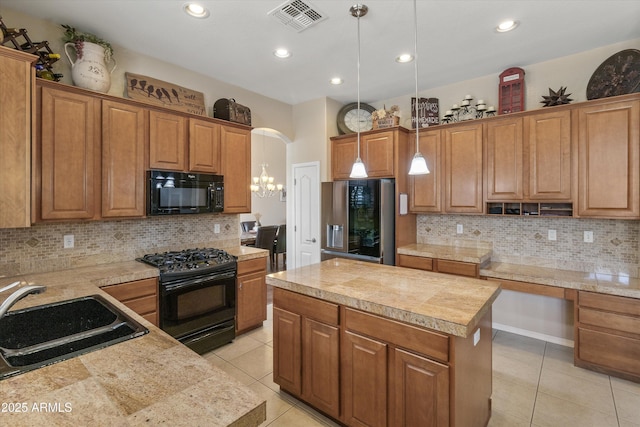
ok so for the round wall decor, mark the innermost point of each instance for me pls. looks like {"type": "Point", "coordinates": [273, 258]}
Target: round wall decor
{"type": "Point", "coordinates": [618, 75]}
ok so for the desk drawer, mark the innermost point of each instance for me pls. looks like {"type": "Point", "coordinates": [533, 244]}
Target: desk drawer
{"type": "Point", "coordinates": [417, 262]}
{"type": "Point", "coordinates": [623, 305]}
{"type": "Point", "coordinates": [604, 319]}
{"type": "Point", "coordinates": [457, 267]}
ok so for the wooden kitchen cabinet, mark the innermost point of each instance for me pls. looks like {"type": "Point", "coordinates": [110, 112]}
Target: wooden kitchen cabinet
{"type": "Point", "coordinates": [17, 91]}
{"type": "Point", "coordinates": [140, 296]}
{"type": "Point", "coordinates": [307, 349]}
{"type": "Point", "coordinates": [251, 294]}
{"type": "Point", "coordinates": [503, 160]}
{"type": "Point", "coordinates": [608, 135]}
{"type": "Point", "coordinates": [167, 141]}
{"type": "Point", "coordinates": [547, 139]}
{"type": "Point", "coordinates": [378, 150]}
{"type": "Point", "coordinates": [607, 334]}
{"type": "Point", "coordinates": [425, 190]}
{"type": "Point", "coordinates": [463, 169]}
{"type": "Point", "coordinates": [459, 268]}
{"type": "Point", "coordinates": [67, 155]}
{"type": "Point", "coordinates": [124, 139]}
{"type": "Point", "coordinates": [236, 168]}
{"type": "Point", "coordinates": [204, 146]}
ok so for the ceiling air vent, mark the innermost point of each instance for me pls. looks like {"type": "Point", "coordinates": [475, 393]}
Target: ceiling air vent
{"type": "Point", "coordinates": [297, 14]}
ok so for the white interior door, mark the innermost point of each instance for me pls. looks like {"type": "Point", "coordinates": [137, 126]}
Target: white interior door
{"type": "Point", "coordinates": [306, 213]}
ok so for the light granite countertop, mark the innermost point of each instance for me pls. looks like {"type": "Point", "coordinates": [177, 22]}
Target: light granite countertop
{"type": "Point", "coordinates": [442, 302]}
{"type": "Point", "coordinates": [613, 284]}
{"type": "Point", "coordinates": [452, 253]}
{"type": "Point", "coordinates": [150, 380]}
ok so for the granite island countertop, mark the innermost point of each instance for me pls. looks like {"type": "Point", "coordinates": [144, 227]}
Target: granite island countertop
{"type": "Point", "coordinates": [149, 380]}
{"type": "Point", "coordinates": [442, 302]}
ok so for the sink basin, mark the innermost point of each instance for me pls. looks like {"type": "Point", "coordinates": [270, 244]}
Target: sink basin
{"type": "Point", "coordinates": [39, 336]}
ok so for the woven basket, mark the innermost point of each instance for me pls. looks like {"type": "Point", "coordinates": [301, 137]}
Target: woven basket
{"type": "Point", "coordinates": [387, 122]}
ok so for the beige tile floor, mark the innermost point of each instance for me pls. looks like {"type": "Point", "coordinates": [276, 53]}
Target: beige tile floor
{"type": "Point", "coordinates": [534, 384]}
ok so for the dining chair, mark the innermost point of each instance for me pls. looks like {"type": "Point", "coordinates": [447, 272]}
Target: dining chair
{"type": "Point", "coordinates": [280, 246]}
{"type": "Point", "coordinates": [265, 239]}
{"type": "Point", "coordinates": [247, 225]}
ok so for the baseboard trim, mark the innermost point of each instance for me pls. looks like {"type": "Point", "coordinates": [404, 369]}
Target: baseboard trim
{"type": "Point", "coordinates": [531, 334]}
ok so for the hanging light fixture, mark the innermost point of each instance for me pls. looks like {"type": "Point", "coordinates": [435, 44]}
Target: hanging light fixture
{"type": "Point", "coordinates": [418, 163]}
{"type": "Point", "coordinates": [358, 170]}
{"type": "Point", "coordinates": [263, 185]}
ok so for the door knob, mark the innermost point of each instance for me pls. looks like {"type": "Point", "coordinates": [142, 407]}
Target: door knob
{"type": "Point", "coordinates": [311, 241]}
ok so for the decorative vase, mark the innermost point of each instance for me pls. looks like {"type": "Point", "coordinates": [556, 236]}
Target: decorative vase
{"type": "Point", "coordinates": [89, 71]}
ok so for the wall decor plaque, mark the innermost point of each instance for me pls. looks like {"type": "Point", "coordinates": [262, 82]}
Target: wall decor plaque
{"type": "Point", "coordinates": [428, 112]}
{"type": "Point", "coordinates": [164, 94]}
{"type": "Point", "coordinates": [617, 75]}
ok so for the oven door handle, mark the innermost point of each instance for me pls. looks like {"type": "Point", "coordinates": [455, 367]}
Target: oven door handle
{"type": "Point", "coordinates": [185, 283]}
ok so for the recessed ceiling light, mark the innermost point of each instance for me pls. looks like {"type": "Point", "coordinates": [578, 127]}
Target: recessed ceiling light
{"type": "Point", "coordinates": [405, 57]}
{"type": "Point", "coordinates": [505, 26]}
{"type": "Point", "coordinates": [195, 10]}
{"type": "Point", "coordinates": [336, 81]}
{"type": "Point", "coordinates": [282, 53]}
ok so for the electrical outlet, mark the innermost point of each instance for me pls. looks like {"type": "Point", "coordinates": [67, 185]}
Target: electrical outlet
{"type": "Point", "coordinates": [216, 228]}
{"type": "Point", "coordinates": [588, 236]}
{"type": "Point", "coordinates": [552, 235]}
{"type": "Point", "coordinates": [476, 337]}
{"type": "Point", "coordinates": [459, 229]}
{"type": "Point", "coordinates": [68, 241]}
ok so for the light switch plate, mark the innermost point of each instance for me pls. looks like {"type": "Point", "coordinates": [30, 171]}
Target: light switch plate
{"type": "Point", "coordinates": [68, 241]}
{"type": "Point", "coordinates": [552, 235]}
{"type": "Point", "coordinates": [216, 228]}
{"type": "Point", "coordinates": [459, 229]}
{"type": "Point", "coordinates": [588, 236]}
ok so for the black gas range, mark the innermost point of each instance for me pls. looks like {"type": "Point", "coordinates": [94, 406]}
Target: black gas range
{"type": "Point", "coordinates": [197, 296]}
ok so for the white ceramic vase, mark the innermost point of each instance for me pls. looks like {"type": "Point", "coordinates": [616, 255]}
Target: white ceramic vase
{"type": "Point", "coordinates": [89, 71]}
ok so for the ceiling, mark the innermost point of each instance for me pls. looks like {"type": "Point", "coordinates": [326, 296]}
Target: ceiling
{"type": "Point", "coordinates": [457, 39]}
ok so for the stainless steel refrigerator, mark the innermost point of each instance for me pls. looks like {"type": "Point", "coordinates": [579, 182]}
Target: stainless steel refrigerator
{"type": "Point", "coordinates": [358, 220]}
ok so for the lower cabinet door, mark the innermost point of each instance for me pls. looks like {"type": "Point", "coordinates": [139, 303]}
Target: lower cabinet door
{"type": "Point", "coordinates": [251, 309]}
{"type": "Point", "coordinates": [287, 333]}
{"type": "Point", "coordinates": [321, 365]}
{"type": "Point", "coordinates": [364, 376]}
{"type": "Point", "coordinates": [419, 392]}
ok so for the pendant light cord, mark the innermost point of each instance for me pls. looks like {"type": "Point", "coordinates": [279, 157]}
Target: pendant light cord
{"type": "Point", "coordinates": [415, 66]}
{"type": "Point", "coordinates": [358, 82]}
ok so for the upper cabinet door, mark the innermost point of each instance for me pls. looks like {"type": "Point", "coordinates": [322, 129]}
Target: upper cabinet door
{"type": "Point", "coordinates": [17, 77]}
{"type": "Point", "coordinates": [463, 169]}
{"type": "Point", "coordinates": [377, 153]}
{"type": "Point", "coordinates": [343, 154]}
{"type": "Point", "coordinates": [425, 190]}
{"type": "Point", "coordinates": [167, 141]}
{"type": "Point", "coordinates": [504, 159]}
{"type": "Point", "coordinates": [204, 146]}
{"type": "Point", "coordinates": [609, 160]}
{"type": "Point", "coordinates": [123, 161]}
{"type": "Point", "coordinates": [236, 168]}
{"type": "Point", "coordinates": [70, 155]}
{"type": "Point", "coordinates": [548, 142]}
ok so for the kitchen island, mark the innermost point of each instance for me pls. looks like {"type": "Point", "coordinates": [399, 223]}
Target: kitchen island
{"type": "Point", "coordinates": [149, 380]}
{"type": "Point", "coordinates": [379, 345]}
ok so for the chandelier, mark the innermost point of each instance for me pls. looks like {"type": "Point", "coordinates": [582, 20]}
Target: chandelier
{"type": "Point", "coordinates": [263, 185]}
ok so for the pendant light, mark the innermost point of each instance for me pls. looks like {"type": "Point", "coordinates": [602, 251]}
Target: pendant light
{"type": "Point", "coordinates": [358, 170]}
{"type": "Point", "coordinates": [418, 163]}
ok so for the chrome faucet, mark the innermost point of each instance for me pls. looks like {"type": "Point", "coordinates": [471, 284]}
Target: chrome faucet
{"type": "Point", "coordinates": [18, 295]}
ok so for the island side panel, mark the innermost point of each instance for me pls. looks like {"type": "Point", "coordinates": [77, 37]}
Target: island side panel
{"type": "Point", "coordinates": [471, 377]}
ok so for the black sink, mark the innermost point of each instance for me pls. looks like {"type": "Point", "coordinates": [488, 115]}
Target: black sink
{"type": "Point", "coordinates": [39, 336]}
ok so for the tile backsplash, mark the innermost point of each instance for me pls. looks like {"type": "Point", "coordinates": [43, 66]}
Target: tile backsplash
{"type": "Point", "coordinates": [524, 240]}
{"type": "Point", "coordinates": [40, 247]}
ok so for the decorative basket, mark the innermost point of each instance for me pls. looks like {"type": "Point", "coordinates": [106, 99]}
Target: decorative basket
{"type": "Point", "coordinates": [387, 122]}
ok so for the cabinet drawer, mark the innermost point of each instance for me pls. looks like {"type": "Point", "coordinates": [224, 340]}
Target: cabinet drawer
{"type": "Point", "coordinates": [144, 305]}
{"type": "Point", "coordinates": [456, 267]}
{"type": "Point", "coordinates": [417, 262]}
{"type": "Point", "coordinates": [131, 290]}
{"type": "Point", "coordinates": [313, 308]}
{"type": "Point", "coordinates": [608, 350]}
{"type": "Point", "coordinates": [251, 265]}
{"type": "Point", "coordinates": [614, 303]}
{"type": "Point", "coordinates": [402, 335]}
{"type": "Point", "coordinates": [151, 318]}
{"type": "Point", "coordinates": [603, 319]}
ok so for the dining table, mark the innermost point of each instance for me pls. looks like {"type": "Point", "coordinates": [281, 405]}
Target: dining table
{"type": "Point", "coordinates": [248, 238]}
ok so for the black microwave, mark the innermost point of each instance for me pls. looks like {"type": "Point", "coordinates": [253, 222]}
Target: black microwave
{"type": "Point", "coordinates": [172, 193]}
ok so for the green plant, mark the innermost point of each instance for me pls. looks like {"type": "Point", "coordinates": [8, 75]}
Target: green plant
{"type": "Point", "coordinates": [71, 35]}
